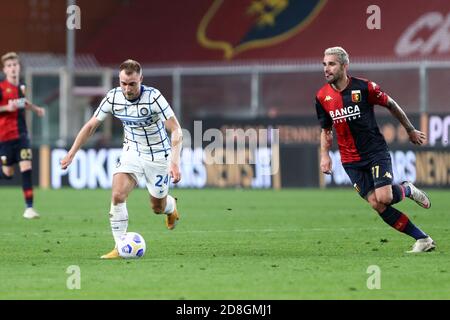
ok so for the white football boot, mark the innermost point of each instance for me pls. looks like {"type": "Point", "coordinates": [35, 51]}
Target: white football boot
{"type": "Point", "coordinates": [418, 195]}
{"type": "Point", "coordinates": [30, 214]}
{"type": "Point", "coordinates": [423, 245]}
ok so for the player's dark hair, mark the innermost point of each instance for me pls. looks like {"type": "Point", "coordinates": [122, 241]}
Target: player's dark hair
{"type": "Point", "coordinates": [9, 56]}
{"type": "Point", "coordinates": [130, 66]}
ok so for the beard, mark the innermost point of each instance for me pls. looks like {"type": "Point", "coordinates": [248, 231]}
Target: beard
{"type": "Point", "coordinates": [330, 79]}
{"type": "Point", "coordinates": [334, 78]}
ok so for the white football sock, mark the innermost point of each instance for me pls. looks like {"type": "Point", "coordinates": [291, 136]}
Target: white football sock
{"type": "Point", "coordinates": [170, 205]}
{"type": "Point", "coordinates": [118, 216]}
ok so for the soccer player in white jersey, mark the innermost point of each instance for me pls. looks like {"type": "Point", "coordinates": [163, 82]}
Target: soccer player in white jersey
{"type": "Point", "coordinates": [147, 150]}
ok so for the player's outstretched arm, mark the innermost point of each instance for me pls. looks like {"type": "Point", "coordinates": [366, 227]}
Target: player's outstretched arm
{"type": "Point", "coordinates": [176, 137]}
{"type": "Point", "coordinates": [415, 136]}
{"type": "Point", "coordinates": [36, 109]}
{"type": "Point", "coordinates": [326, 141]}
{"type": "Point", "coordinates": [84, 134]}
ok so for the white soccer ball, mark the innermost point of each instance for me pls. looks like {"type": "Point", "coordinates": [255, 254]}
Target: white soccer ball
{"type": "Point", "coordinates": [131, 246]}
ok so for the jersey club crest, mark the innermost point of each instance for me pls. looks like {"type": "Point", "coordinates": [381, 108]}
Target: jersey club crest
{"type": "Point", "coordinates": [356, 95]}
{"type": "Point", "coordinates": [235, 26]}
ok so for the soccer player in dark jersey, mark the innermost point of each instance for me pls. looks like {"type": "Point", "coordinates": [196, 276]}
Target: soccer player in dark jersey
{"type": "Point", "coordinates": [347, 103]}
{"type": "Point", "coordinates": [14, 140]}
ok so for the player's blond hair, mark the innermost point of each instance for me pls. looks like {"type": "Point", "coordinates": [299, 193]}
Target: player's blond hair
{"type": "Point", "coordinates": [340, 53]}
{"type": "Point", "coordinates": [130, 66]}
{"type": "Point", "coordinates": [9, 56]}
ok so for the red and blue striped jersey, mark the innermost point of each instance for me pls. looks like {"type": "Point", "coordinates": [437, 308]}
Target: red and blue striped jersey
{"type": "Point", "coordinates": [12, 123]}
{"type": "Point", "coordinates": [351, 112]}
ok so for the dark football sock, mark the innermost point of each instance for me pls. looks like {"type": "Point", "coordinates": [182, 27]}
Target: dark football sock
{"type": "Point", "coordinates": [398, 193]}
{"type": "Point", "coordinates": [27, 187]}
{"type": "Point", "coordinates": [401, 222]}
{"type": "Point", "coordinates": [407, 190]}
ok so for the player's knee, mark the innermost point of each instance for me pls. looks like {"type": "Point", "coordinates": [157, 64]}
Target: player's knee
{"type": "Point", "coordinates": [376, 205]}
{"type": "Point", "coordinates": [385, 199]}
{"type": "Point", "coordinates": [25, 166]}
{"type": "Point", "coordinates": [379, 207]}
{"type": "Point", "coordinates": [7, 172]}
{"type": "Point", "coordinates": [6, 176]}
{"type": "Point", "coordinates": [119, 197]}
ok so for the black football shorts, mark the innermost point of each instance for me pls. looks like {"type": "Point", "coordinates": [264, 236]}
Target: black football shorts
{"type": "Point", "coordinates": [14, 151]}
{"type": "Point", "coordinates": [371, 174]}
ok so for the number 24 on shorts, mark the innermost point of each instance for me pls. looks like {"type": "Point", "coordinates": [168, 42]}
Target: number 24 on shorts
{"type": "Point", "coordinates": [160, 179]}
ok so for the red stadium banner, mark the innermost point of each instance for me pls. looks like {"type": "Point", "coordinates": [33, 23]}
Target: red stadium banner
{"type": "Point", "coordinates": [256, 24]}
{"type": "Point", "coordinates": [218, 30]}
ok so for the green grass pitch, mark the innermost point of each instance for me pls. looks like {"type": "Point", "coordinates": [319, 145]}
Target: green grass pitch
{"type": "Point", "coordinates": [229, 244]}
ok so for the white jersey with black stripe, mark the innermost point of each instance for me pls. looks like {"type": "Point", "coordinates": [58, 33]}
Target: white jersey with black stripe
{"type": "Point", "coordinates": [142, 119]}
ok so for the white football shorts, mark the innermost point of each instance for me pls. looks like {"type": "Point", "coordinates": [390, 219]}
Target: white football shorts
{"type": "Point", "coordinates": [155, 173]}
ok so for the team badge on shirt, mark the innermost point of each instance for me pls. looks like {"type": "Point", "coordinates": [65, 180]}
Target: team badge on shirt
{"type": "Point", "coordinates": [356, 95]}
{"type": "Point", "coordinates": [143, 111]}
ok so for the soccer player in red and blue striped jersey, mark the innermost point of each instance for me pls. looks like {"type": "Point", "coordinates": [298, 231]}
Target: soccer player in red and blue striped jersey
{"type": "Point", "coordinates": [347, 104]}
{"type": "Point", "coordinates": [14, 140]}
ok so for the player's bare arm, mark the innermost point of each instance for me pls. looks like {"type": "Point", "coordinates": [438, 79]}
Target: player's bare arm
{"type": "Point", "coordinates": [40, 112]}
{"type": "Point", "coordinates": [326, 141]}
{"type": "Point", "coordinates": [14, 104]}
{"type": "Point", "coordinates": [88, 130]}
{"type": "Point", "coordinates": [415, 136]}
{"type": "Point", "coordinates": [176, 137]}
